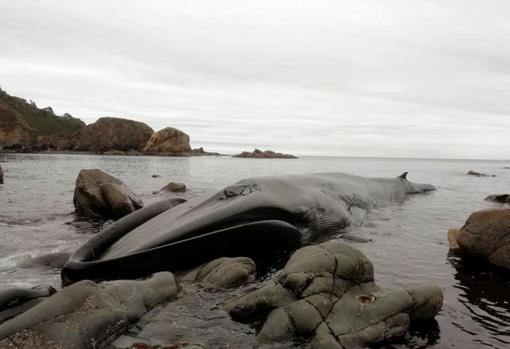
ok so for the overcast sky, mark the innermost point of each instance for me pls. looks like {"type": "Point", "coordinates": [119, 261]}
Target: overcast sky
{"type": "Point", "coordinates": [349, 78]}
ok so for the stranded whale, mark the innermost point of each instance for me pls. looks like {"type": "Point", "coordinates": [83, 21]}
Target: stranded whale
{"type": "Point", "coordinates": [253, 215]}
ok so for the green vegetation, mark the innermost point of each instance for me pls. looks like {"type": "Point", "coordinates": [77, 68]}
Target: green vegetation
{"type": "Point", "coordinates": [43, 121]}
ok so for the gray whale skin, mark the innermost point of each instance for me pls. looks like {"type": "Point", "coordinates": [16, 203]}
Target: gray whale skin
{"type": "Point", "coordinates": [252, 216]}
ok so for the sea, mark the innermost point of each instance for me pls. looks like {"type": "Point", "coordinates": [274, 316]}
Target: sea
{"type": "Point", "coordinates": [406, 241]}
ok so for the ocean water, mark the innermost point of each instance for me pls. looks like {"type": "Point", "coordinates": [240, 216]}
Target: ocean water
{"type": "Point", "coordinates": [407, 240]}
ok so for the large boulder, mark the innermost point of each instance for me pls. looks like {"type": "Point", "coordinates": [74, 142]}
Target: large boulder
{"type": "Point", "coordinates": [223, 272]}
{"type": "Point", "coordinates": [87, 315]}
{"type": "Point", "coordinates": [326, 293]}
{"type": "Point", "coordinates": [112, 134]}
{"type": "Point", "coordinates": [168, 141]}
{"type": "Point", "coordinates": [486, 235]}
{"type": "Point", "coordinates": [98, 194]}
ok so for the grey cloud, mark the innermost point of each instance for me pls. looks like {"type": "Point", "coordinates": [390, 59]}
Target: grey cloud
{"type": "Point", "coordinates": [371, 78]}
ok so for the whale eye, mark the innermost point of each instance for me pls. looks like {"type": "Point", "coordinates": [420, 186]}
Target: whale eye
{"type": "Point", "coordinates": [240, 190]}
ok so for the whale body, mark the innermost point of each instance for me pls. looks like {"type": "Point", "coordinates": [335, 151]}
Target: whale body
{"type": "Point", "coordinates": [252, 215]}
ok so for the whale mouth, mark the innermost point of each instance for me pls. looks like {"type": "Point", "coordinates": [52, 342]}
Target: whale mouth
{"type": "Point", "coordinates": [256, 240]}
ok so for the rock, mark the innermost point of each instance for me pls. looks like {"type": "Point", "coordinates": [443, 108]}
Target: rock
{"type": "Point", "coordinates": [174, 346]}
{"type": "Point", "coordinates": [1, 175]}
{"type": "Point", "coordinates": [267, 154]}
{"type": "Point", "coordinates": [14, 301]}
{"type": "Point", "coordinates": [327, 293]}
{"type": "Point", "coordinates": [97, 194]}
{"type": "Point", "coordinates": [478, 174]}
{"type": "Point", "coordinates": [223, 272]}
{"type": "Point", "coordinates": [155, 176]}
{"type": "Point", "coordinates": [114, 152]}
{"type": "Point", "coordinates": [108, 134]}
{"type": "Point", "coordinates": [453, 235]}
{"type": "Point", "coordinates": [174, 187]}
{"type": "Point", "coordinates": [486, 235]}
{"type": "Point", "coordinates": [502, 198]}
{"type": "Point", "coordinates": [86, 314]}
{"type": "Point", "coordinates": [25, 127]}
{"type": "Point", "coordinates": [168, 141]}
{"type": "Point", "coordinates": [201, 152]}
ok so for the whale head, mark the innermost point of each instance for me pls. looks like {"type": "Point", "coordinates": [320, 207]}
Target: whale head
{"type": "Point", "coordinates": [414, 188]}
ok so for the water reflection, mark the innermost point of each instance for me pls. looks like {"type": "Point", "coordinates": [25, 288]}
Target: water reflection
{"type": "Point", "coordinates": [484, 291]}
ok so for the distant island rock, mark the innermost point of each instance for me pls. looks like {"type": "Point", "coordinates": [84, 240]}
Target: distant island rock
{"type": "Point", "coordinates": [109, 133]}
{"type": "Point", "coordinates": [478, 174]}
{"type": "Point", "coordinates": [267, 154]}
{"type": "Point", "coordinates": [168, 141]}
{"type": "Point", "coordinates": [24, 127]}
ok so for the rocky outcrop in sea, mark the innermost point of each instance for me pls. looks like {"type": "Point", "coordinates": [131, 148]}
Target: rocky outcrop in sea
{"type": "Point", "coordinates": [109, 133]}
{"type": "Point", "coordinates": [168, 141]}
{"type": "Point", "coordinates": [267, 154]}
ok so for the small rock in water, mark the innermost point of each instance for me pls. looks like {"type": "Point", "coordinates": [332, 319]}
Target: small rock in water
{"type": "Point", "coordinates": [155, 176]}
{"type": "Point", "coordinates": [1, 175]}
{"type": "Point", "coordinates": [174, 187]}
{"type": "Point", "coordinates": [502, 198]}
{"type": "Point", "coordinates": [478, 174]}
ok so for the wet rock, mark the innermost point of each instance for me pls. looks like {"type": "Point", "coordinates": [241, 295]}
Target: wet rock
{"type": "Point", "coordinates": [168, 141]}
{"type": "Point", "coordinates": [109, 134]}
{"type": "Point", "coordinates": [478, 174]}
{"type": "Point", "coordinates": [486, 235]}
{"type": "Point", "coordinates": [114, 152]}
{"type": "Point", "coordinates": [86, 314]}
{"type": "Point", "coordinates": [223, 272]}
{"type": "Point", "coordinates": [174, 187]}
{"type": "Point", "coordinates": [267, 154]}
{"type": "Point", "coordinates": [453, 235]}
{"type": "Point", "coordinates": [98, 194]}
{"type": "Point", "coordinates": [502, 198]}
{"type": "Point", "coordinates": [155, 176]}
{"type": "Point", "coordinates": [201, 152]}
{"type": "Point", "coordinates": [194, 317]}
{"type": "Point", "coordinates": [326, 293]}
{"type": "Point", "coordinates": [14, 301]}
{"type": "Point", "coordinates": [1, 175]}
{"type": "Point", "coordinates": [174, 346]}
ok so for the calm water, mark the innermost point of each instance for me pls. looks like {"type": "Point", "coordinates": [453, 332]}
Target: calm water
{"type": "Point", "coordinates": [408, 240]}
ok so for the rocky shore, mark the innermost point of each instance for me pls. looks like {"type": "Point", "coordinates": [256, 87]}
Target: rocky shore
{"type": "Point", "coordinates": [26, 128]}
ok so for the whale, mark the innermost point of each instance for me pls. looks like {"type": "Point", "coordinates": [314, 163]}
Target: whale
{"type": "Point", "coordinates": [251, 217]}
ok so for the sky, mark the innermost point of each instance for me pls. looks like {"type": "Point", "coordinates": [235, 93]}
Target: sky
{"type": "Point", "coordinates": [393, 78]}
